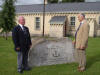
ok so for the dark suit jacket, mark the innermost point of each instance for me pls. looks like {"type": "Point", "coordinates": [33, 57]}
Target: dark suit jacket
{"type": "Point", "coordinates": [20, 38]}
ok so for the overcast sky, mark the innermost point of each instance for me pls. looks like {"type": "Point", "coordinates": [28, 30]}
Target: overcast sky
{"type": "Point", "coordinates": [91, 0]}
{"type": "Point", "coordinates": [29, 1]}
{"type": "Point", "coordinates": [26, 2]}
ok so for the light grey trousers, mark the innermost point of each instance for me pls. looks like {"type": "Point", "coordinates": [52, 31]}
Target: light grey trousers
{"type": "Point", "coordinates": [80, 56]}
{"type": "Point", "coordinates": [22, 59]}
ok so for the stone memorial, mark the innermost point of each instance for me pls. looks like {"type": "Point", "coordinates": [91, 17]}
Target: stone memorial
{"type": "Point", "coordinates": [52, 51]}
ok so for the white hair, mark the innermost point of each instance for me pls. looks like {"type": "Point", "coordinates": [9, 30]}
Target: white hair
{"type": "Point", "coordinates": [82, 14]}
{"type": "Point", "coordinates": [20, 17]}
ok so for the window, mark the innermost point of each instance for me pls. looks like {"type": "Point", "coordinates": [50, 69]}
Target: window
{"type": "Point", "coordinates": [37, 22]}
{"type": "Point", "coordinates": [99, 20]}
{"type": "Point", "coordinates": [72, 21]}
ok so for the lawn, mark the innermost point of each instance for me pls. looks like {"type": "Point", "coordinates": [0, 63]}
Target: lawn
{"type": "Point", "coordinates": [8, 61]}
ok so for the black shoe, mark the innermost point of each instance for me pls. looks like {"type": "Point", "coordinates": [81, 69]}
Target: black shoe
{"type": "Point", "coordinates": [20, 71]}
{"type": "Point", "coordinates": [27, 68]}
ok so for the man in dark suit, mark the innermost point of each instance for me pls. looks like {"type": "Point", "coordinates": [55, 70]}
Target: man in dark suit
{"type": "Point", "coordinates": [22, 42]}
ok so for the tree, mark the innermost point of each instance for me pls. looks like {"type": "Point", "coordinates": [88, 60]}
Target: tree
{"type": "Point", "coordinates": [7, 17]}
{"type": "Point", "coordinates": [0, 17]}
{"type": "Point", "coordinates": [72, 1]}
{"type": "Point", "coordinates": [0, 20]}
{"type": "Point", "coordinates": [52, 1]}
{"type": "Point", "coordinates": [64, 1]}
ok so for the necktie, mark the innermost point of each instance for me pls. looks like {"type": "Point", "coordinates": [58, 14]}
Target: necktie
{"type": "Point", "coordinates": [22, 27]}
{"type": "Point", "coordinates": [77, 30]}
{"type": "Point", "coordinates": [24, 30]}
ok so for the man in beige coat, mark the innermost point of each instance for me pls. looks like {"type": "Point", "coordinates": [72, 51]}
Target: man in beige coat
{"type": "Point", "coordinates": [81, 41]}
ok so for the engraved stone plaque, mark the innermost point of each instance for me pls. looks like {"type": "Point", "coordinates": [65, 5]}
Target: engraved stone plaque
{"type": "Point", "coordinates": [49, 52]}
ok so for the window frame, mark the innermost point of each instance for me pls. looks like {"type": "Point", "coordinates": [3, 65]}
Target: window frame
{"type": "Point", "coordinates": [36, 23]}
{"type": "Point", "coordinates": [72, 22]}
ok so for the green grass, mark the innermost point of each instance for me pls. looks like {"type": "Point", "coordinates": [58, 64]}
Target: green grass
{"type": "Point", "coordinates": [8, 61]}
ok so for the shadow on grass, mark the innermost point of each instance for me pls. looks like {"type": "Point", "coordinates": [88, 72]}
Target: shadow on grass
{"type": "Point", "coordinates": [91, 60]}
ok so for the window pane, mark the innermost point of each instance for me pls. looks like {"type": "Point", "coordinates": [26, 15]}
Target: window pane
{"type": "Point", "coordinates": [72, 23]}
{"type": "Point", "coordinates": [72, 18]}
{"type": "Point", "coordinates": [37, 23]}
{"type": "Point", "coordinates": [37, 19]}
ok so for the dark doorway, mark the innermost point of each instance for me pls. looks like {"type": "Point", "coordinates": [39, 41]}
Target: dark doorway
{"type": "Point", "coordinates": [65, 29]}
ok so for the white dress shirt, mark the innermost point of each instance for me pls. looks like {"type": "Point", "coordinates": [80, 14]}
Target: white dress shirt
{"type": "Point", "coordinates": [21, 26]}
{"type": "Point", "coordinates": [82, 22]}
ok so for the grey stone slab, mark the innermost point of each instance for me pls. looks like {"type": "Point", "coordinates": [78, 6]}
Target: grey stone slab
{"type": "Point", "coordinates": [50, 52]}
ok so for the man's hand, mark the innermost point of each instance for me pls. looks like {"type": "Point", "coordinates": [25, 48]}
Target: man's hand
{"type": "Point", "coordinates": [18, 48]}
{"type": "Point", "coordinates": [82, 48]}
{"type": "Point", "coordinates": [30, 46]}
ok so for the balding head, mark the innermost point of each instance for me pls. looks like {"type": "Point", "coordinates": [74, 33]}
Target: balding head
{"type": "Point", "coordinates": [21, 20]}
{"type": "Point", "coordinates": [81, 17]}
